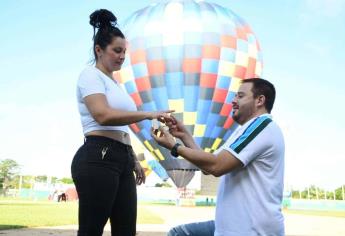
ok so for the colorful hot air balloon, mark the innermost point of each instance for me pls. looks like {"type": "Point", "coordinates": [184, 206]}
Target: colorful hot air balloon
{"type": "Point", "coordinates": [144, 164]}
{"type": "Point", "coordinates": [158, 169]}
{"type": "Point", "coordinates": [150, 165]}
{"type": "Point", "coordinates": [188, 56]}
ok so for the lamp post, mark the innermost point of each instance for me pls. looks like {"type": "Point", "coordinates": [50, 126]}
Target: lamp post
{"type": "Point", "coordinates": [308, 193]}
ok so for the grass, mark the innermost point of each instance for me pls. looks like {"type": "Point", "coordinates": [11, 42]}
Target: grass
{"type": "Point", "coordinates": [316, 213]}
{"type": "Point", "coordinates": [22, 214]}
{"type": "Point", "coordinates": [31, 214]}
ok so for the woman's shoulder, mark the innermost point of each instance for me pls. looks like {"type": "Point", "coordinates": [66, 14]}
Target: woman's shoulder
{"type": "Point", "coordinates": [88, 70]}
{"type": "Point", "coordinates": [89, 75]}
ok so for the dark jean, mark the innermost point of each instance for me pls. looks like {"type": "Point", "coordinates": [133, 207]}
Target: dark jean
{"type": "Point", "coordinates": [102, 171]}
{"type": "Point", "coordinates": [206, 228]}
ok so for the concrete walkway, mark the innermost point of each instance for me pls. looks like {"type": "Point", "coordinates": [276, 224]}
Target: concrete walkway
{"type": "Point", "coordinates": [296, 225]}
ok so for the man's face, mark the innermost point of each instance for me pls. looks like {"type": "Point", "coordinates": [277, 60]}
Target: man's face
{"type": "Point", "coordinates": [243, 105]}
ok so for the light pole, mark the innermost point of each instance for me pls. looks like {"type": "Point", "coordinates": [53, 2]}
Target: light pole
{"type": "Point", "coordinates": [308, 193]}
{"type": "Point", "coordinates": [20, 184]}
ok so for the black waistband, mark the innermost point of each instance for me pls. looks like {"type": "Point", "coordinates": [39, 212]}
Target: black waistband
{"type": "Point", "coordinates": [105, 140]}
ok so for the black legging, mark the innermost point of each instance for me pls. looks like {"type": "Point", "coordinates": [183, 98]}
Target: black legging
{"type": "Point", "coordinates": [102, 171]}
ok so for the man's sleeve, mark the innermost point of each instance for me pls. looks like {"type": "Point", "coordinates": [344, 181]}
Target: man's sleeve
{"type": "Point", "coordinates": [252, 142]}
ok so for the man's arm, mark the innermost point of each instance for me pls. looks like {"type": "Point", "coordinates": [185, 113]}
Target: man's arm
{"type": "Point", "coordinates": [216, 165]}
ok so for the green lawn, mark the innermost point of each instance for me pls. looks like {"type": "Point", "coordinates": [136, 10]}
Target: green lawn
{"type": "Point", "coordinates": [317, 213]}
{"type": "Point", "coordinates": [22, 213]}
{"type": "Point", "coordinates": [19, 214]}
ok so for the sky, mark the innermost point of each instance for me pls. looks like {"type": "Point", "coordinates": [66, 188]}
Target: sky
{"type": "Point", "coordinates": [44, 45]}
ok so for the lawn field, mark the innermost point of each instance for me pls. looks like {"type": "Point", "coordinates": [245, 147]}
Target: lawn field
{"type": "Point", "coordinates": [22, 214]}
{"type": "Point", "coordinates": [27, 214]}
{"type": "Point", "coordinates": [317, 213]}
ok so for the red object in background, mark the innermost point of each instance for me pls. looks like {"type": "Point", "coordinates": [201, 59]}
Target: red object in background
{"type": "Point", "coordinates": [72, 194]}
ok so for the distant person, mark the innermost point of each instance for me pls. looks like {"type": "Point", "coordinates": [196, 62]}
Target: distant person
{"type": "Point", "coordinates": [250, 163]}
{"type": "Point", "coordinates": [62, 197]}
{"type": "Point", "coordinates": [102, 168]}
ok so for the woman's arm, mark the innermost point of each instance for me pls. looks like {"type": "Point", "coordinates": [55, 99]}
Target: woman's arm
{"type": "Point", "coordinates": [105, 115]}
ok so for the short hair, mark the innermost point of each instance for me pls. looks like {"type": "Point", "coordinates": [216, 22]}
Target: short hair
{"type": "Point", "coordinates": [263, 87]}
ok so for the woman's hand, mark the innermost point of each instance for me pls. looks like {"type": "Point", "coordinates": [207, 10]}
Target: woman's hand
{"type": "Point", "coordinates": [139, 173]}
{"type": "Point", "coordinates": [162, 116]}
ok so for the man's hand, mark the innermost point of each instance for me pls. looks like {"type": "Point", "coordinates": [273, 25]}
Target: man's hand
{"type": "Point", "coordinates": [163, 137]}
{"type": "Point", "coordinates": [176, 128]}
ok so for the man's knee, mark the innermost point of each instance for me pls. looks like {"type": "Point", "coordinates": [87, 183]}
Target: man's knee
{"type": "Point", "coordinates": [172, 232]}
{"type": "Point", "coordinates": [176, 231]}
{"type": "Point", "coordinates": [193, 229]}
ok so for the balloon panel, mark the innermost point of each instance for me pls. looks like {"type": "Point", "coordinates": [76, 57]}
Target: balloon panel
{"type": "Point", "coordinates": [158, 169]}
{"type": "Point", "coordinates": [189, 56]}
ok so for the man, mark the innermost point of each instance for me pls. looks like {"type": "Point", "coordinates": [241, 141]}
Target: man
{"type": "Point", "coordinates": [250, 163]}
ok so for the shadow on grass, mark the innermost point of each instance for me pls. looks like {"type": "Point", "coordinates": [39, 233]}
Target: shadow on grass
{"type": "Point", "coordinates": [65, 232]}
{"type": "Point", "coordinates": [20, 231]}
{"type": "Point", "coordinates": [4, 227]}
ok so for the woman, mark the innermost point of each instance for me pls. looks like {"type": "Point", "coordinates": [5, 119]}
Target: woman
{"type": "Point", "coordinates": [102, 168]}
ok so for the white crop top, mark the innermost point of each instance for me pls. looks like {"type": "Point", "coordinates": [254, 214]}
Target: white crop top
{"type": "Point", "coordinates": [92, 81]}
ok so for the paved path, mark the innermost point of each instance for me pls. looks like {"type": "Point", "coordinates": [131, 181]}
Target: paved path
{"type": "Point", "coordinates": [296, 225]}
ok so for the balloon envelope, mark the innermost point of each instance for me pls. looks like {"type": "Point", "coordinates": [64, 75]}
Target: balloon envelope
{"type": "Point", "coordinates": [158, 169]}
{"type": "Point", "coordinates": [189, 56]}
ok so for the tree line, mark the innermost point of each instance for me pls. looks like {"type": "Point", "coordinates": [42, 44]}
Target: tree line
{"type": "Point", "coordinates": [314, 192]}
{"type": "Point", "coordinates": [11, 179]}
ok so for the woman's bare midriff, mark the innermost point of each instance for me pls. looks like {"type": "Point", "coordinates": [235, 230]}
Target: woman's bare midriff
{"type": "Point", "coordinates": [117, 135]}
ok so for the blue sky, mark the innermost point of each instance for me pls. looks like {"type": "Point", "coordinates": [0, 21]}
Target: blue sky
{"type": "Point", "coordinates": [45, 45]}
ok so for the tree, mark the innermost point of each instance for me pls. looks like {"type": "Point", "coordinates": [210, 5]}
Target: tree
{"type": "Point", "coordinates": [28, 181]}
{"type": "Point", "coordinates": [54, 179]}
{"type": "Point", "coordinates": [15, 182]}
{"type": "Point", "coordinates": [8, 170]}
{"type": "Point", "coordinates": [339, 193]}
{"type": "Point", "coordinates": [164, 184]}
{"type": "Point", "coordinates": [41, 178]}
{"type": "Point", "coordinates": [295, 194]}
{"type": "Point", "coordinates": [66, 180]}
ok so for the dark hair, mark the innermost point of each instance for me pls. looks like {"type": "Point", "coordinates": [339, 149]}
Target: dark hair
{"type": "Point", "coordinates": [263, 87]}
{"type": "Point", "coordinates": [105, 21]}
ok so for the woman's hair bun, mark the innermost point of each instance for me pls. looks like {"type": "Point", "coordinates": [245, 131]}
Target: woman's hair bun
{"type": "Point", "coordinates": [102, 18]}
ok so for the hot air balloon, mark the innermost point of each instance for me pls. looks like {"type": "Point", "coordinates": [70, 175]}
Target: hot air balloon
{"type": "Point", "coordinates": [150, 165]}
{"type": "Point", "coordinates": [144, 164]}
{"type": "Point", "coordinates": [158, 169]}
{"type": "Point", "coordinates": [189, 56]}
